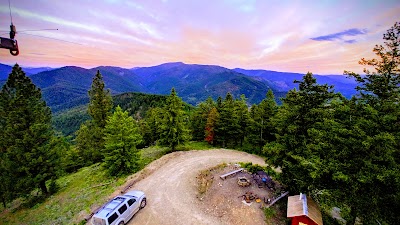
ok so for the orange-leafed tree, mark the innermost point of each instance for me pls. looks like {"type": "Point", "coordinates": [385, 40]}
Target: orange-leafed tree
{"type": "Point", "coordinates": [210, 125]}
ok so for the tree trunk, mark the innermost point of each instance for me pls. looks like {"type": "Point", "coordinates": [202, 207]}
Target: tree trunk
{"type": "Point", "coordinates": [173, 147]}
{"type": "Point", "coordinates": [43, 187]}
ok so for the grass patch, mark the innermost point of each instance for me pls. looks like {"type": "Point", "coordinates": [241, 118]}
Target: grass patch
{"type": "Point", "coordinates": [79, 193]}
{"type": "Point", "coordinates": [205, 177]}
{"type": "Point", "coordinates": [152, 153]}
{"type": "Point", "coordinates": [276, 214]}
{"type": "Point", "coordinates": [90, 186]}
{"type": "Point", "coordinates": [269, 213]}
{"type": "Point", "coordinates": [195, 145]}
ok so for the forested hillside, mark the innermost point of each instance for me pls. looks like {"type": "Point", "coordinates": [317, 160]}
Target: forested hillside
{"type": "Point", "coordinates": [195, 83]}
{"type": "Point", "coordinates": [283, 81]}
{"type": "Point", "coordinates": [136, 104]}
{"type": "Point", "coordinates": [67, 87]}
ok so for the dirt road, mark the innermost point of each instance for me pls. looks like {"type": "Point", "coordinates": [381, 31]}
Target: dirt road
{"type": "Point", "coordinates": [171, 187]}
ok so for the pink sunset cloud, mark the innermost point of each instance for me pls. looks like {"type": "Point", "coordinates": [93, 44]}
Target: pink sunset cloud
{"type": "Point", "coordinates": [283, 36]}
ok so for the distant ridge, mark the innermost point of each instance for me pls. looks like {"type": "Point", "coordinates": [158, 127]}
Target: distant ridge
{"type": "Point", "coordinates": [68, 86]}
{"type": "Point", "coordinates": [283, 81]}
{"type": "Point", "coordinates": [194, 83]}
{"type": "Point", "coordinates": [5, 70]}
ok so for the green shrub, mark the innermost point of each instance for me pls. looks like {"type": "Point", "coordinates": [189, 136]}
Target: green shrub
{"type": "Point", "coordinates": [53, 187]}
{"type": "Point", "coordinates": [269, 213]}
{"type": "Point", "coordinates": [254, 168]}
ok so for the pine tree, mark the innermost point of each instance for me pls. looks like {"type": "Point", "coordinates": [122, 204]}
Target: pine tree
{"type": "Point", "coordinates": [384, 82]}
{"type": "Point", "coordinates": [90, 136]}
{"type": "Point", "coordinates": [27, 156]}
{"type": "Point", "coordinates": [174, 129]}
{"type": "Point", "coordinates": [226, 123]}
{"type": "Point", "coordinates": [121, 138]}
{"type": "Point", "coordinates": [242, 113]}
{"type": "Point", "coordinates": [254, 130]}
{"type": "Point", "coordinates": [302, 111]}
{"type": "Point", "coordinates": [151, 127]}
{"type": "Point", "coordinates": [375, 152]}
{"type": "Point", "coordinates": [199, 119]}
{"type": "Point", "coordinates": [89, 149]}
{"type": "Point", "coordinates": [100, 104]}
{"type": "Point", "coordinates": [210, 125]}
{"type": "Point", "coordinates": [261, 125]}
{"type": "Point", "coordinates": [268, 109]}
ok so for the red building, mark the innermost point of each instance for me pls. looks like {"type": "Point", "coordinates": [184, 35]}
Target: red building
{"type": "Point", "coordinates": [303, 211]}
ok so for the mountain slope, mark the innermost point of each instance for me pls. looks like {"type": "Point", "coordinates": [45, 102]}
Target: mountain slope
{"type": "Point", "coordinates": [136, 104]}
{"type": "Point", "coordinates": [68, 86]}
{"type": "Point", "coordinates": [5, 70]}
{"type": "Point", "coordinates": [194, 83]}
{"type": "Point", "coordinates": [283, 81]}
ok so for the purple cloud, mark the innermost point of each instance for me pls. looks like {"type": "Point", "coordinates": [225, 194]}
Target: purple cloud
{"type": "Point", "coordinates": [340, 35]}
{"type": "Point", "coordinates": [350, 41]}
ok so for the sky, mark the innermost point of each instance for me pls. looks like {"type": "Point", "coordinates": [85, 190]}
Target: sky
{"type": "Point", "coordinates": [320, 36]}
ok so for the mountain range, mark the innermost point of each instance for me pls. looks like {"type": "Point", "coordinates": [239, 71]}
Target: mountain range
{"type": "Point", "coordinates": [67, 87]}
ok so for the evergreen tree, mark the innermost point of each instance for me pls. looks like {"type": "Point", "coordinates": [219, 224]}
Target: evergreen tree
{"type": "Point", "coordinates": [242, 113]}
{"type": "Point", "coordinates": [100, 104]}
{"type": "Point", "coordinates": [27, 157]}
{"type": "Point", "coordinates": [87, 143]}
{"type": "Point", "coordinates": [261, 126]}
{"type": "Point", "coordinates": [376, 157]}
{"type": "Point", "coordinates": [199, 119]}
{"type": "Point", "coordinates": [210, 126]}
{"type": "Point", "coordinates": [90, 136]}
{"type": "Point", "coordinates": [302, 110]}
{"type": "Point", "coordinates": [384, 82]}
{"type": "Point", "coordinates": [219, 103]}
{"type": "Point", "coordinates": [227, 124]}
{"type": "Point", "coordinates": [151, 126]}
{"type": "Point", "coordinates": [254, 130]}
{"type": "Point", "coordinates": [268, 109]}
{"type": "Point", "coordinates": [348, 162]}
{"type": "Point", "coordinates": [174, 128]}
{"type": "Point", "coordinates": [121, 138]}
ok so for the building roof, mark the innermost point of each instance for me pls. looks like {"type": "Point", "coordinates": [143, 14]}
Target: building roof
{"type": "Point", "coordinates": [302, 205]}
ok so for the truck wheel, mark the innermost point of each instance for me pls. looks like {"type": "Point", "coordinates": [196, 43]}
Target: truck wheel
{"type": "Point", "coordinates": [143, 203]}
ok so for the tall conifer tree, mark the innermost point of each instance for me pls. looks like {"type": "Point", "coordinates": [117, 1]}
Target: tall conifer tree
{"type": "Point", "coordinates": [212, 119]}
{"type": "Point", "coordinates": [174, 129]}
{"type": "Point", "coordinates": [121, 138]}
{"type": "Point", "coordinates": [26, 132]}
{"type": "Point", "coordinates": [100, 104]}
{"type": "Point", "coordinates": [90, 136]}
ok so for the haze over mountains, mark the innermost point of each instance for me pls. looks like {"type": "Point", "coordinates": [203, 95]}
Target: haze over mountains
{"type": "Point", "coordinates": [67, 87]}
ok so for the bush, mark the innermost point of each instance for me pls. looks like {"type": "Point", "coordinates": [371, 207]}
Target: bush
{"type": "Point", "coordinates": [269, 212]}
{"type": "Point", "coordinates": [33, 200]}
{"type": "Point", "coordinates": [53, 187]}
{"type": "Point", "coordinates": [254, 168]}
